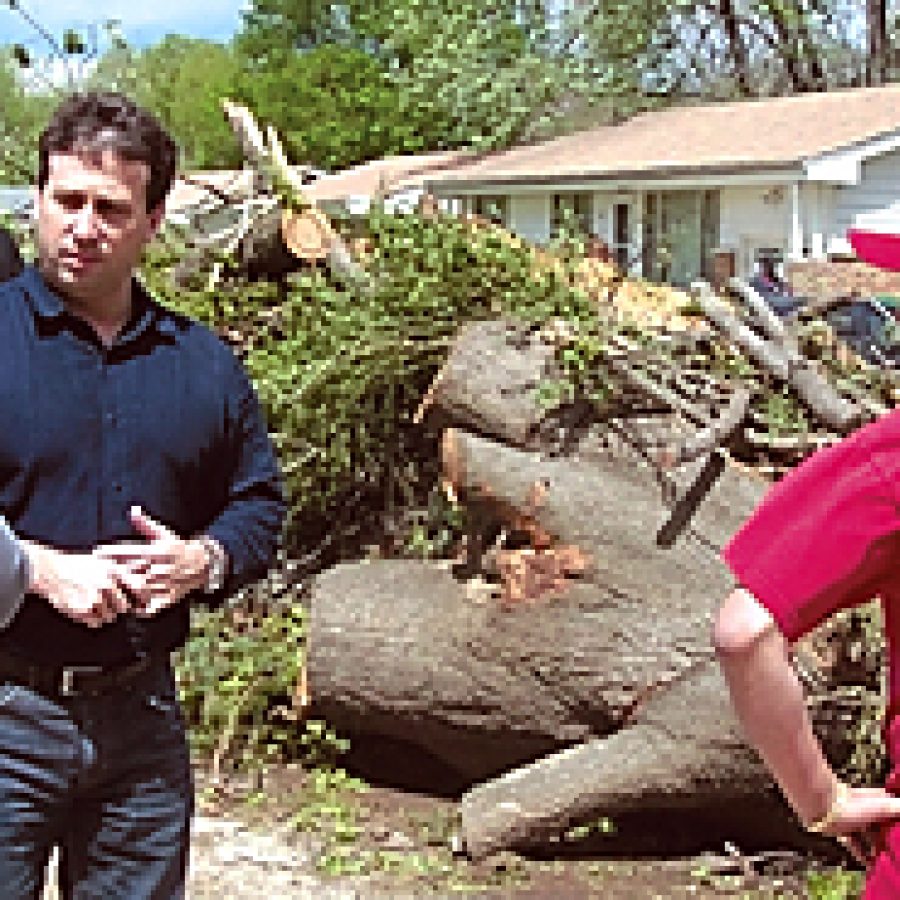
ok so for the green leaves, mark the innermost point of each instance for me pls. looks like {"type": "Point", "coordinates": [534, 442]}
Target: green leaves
{"type": "Point", "coordinates": [334, 105]}
{"type": "Point", "coordinates": [22, 114]}
{"type": "Point", "coordinates": [73, 43]}
{"type": "Point", "coordinates": [237, 677]}
{"type": "Point", "coordinates": [434, 75]}
{"type": "Point", "coordinates": [183, 80]}
{"type": "Point", "coordinates": [21, 56]}
{"type": "Point", "coordinates": [342, 375]}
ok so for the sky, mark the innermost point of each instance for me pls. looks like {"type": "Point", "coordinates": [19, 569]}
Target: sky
{"type": "Point", "coordinates": [142, 23]}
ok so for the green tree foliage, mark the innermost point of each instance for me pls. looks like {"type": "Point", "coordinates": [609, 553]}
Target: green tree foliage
{"type": "Point", "coordinates": [21, 117]}
{"type": "Point", "coordinates": [183, 80]}
{"type": "Point", "coordinates": [274, 29]}
{"type": "Point", "coordinates": [334, 106]}
{"type": "Point", "coordinates": [486, 71]}
{"type": "Point", "coordinates": [659, 52]}
{"type": "Point", "coordinates": [481, 73]}
{"type": "Point", "coordinates": [341, 375]}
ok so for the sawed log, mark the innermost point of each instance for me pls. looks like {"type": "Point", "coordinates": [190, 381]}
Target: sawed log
{"type": "Point", "coordinates": [303, 229]}
{"type": "Point", "coordinates": [778, 353]}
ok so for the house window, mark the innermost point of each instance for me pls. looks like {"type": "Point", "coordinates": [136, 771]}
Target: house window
{"type": "Point", "coordinates": [452, 205]}
{"type": "Point", "coordinates": [649, 267]}
{"type": "Point", "coordinates": [492, 207]}
{"type": "Point", "coordinates": [622, 235]}
{"type": "Point", "coordinates": [573, 210]}
{"type": "Point", "coordinates": [709, 231]}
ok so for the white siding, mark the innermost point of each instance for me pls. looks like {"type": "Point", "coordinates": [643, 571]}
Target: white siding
{"type": "Point", "coordinates": [529, 216]}
{"type": "Point", "coordinates": [602, 215]}
{"type": "Point", "coordinates": [754, 211]}
{"type": "Point", "coordinates": [874, 203]}
{"type": "Point", "coordinates": [754, 217]}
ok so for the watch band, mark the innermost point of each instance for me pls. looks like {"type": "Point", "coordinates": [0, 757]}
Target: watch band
{"type": "Point", "coordinates": [216, 564]}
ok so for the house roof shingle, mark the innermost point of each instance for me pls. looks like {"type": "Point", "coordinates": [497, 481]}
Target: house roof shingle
{"type": "Point", "coordinates": [381, 176]}
{"type": "Point", "coordinates": [770, 133]}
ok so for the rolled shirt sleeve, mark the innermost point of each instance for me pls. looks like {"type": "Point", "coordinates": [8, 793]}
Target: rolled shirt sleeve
{"type": "Point", "coordinates": [249, 525]}
{"type": "Point", "coordinates": [826, 537]}
{"type": "Point", "coordinates": [13, 574]}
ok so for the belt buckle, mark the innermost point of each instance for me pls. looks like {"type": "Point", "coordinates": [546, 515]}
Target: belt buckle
{"type": "Point", "coordinates": [68, 678]}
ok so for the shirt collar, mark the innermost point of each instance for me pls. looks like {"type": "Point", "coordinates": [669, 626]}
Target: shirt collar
{"type": "Point", "coordinates": [45, 303]}
{"type": "Point", "coordinates": [146, 311]}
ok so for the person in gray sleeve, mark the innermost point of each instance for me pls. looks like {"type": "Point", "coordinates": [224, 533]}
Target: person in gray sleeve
{"type": "Point", "coordinates": [13, 574]}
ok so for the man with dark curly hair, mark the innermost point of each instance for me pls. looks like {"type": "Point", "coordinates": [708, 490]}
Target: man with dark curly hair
{"type": "Point", "coordinates": [136, 470]}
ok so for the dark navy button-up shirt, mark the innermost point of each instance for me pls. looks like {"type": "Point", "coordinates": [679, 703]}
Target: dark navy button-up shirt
{"type": "Point", "coordinates": [165, 418]}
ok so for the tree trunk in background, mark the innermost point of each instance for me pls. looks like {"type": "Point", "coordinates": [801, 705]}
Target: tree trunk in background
{"type": "Point", "coordinates": [877, 44]}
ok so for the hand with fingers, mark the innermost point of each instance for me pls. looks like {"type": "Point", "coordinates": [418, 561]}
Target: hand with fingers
{"type": "Point", "coordinates": [859, 818]}
{"type": "Point", "coordinates": [84, 587]}
{"type": "Point", "coordinates": [158, 571]}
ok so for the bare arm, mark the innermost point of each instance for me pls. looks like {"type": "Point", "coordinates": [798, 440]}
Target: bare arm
{"type": "Point", "coordinates": [768, 699]}
{"type": "Point", "coordinates": [769, 702]}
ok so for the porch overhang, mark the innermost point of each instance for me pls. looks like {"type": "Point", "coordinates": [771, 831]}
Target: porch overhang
{"type": "Point", "coordinates": [682, 178]}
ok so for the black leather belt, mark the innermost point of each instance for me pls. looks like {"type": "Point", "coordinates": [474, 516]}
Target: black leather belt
{"type": "Point", "coordinates": [70, 681]}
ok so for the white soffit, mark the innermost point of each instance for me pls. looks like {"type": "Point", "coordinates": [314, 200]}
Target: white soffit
{"type": "Point", "coordinates": [844, 166]}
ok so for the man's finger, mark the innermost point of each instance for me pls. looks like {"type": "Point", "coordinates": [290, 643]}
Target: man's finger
{"type": "Point", "coordinates": [156, 604]}
{"type": "Point", "coordinates": [148, 526]}
{"type": "Point", "coordinates": [878, 806]}
{"type": "Point", "coordinates": [133, 552]}
{"type": "Point", "coordinates": [93, 617]}
{"type": "Point", "coordinates": [134, 582]}
{"type": "Point", "coordinates": [116, 600]}
{"type": "Point", "coordinates": [123, 550]}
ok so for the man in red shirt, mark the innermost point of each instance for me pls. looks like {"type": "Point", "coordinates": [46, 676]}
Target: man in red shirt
{"type": "Point", "coordinates": [825, 538]}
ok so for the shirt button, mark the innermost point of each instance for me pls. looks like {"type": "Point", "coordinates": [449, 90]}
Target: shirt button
{"type": "Point", "coordinates": [117, 488]}
{"type": "Point", "coordinates": [111, 418]}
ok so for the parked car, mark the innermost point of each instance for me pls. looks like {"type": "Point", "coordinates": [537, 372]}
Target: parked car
{"type": "Point", "coordinates": [777, 296]}
{"type": "Point", "coordinates": [869, 326]}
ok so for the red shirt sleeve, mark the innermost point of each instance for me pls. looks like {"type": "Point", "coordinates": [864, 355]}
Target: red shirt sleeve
{"type": "Point", "coordinates": [826, 536]}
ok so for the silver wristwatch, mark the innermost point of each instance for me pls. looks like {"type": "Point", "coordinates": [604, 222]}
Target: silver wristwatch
{"type": "Point", "coordinates": [216, 564]}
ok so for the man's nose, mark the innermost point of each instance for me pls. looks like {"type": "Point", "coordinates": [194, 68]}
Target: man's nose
{"type": "Point", "coordinates": [85, 223]}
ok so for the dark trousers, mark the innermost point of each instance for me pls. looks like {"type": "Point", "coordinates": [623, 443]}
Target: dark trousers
{"type": "Point", "coordinates": [107, 778]}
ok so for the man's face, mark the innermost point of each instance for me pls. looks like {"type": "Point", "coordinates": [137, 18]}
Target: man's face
{"type": "Point", "coordinates": [93, 222]}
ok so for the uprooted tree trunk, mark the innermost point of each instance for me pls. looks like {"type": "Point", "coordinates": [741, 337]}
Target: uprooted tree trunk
{"type": "Point", "coordinates": [492, 381]}
{"type": "Point", "coordinates": [397, 643]}
{"type": "Point", "coordinates": [616, 661]}
{"type": "Point", "coordinates": [681, 751]}
{"type": "Point", "coordinates": [589, 665]}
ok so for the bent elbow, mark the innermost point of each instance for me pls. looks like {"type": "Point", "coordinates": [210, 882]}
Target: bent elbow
{"type": "Point", "coordinates": [740, 624]}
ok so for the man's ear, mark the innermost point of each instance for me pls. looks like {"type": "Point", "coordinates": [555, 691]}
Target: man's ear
{"type": "Point", "coordinates": [157, 214]}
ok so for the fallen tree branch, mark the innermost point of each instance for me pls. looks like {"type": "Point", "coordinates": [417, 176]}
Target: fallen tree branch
{"type": "Point", "coordinates": [720, 432]}
{"type": "Point", "coordinates": [274, 174]}
{"type": "Point", "coordinates": [783, 360]}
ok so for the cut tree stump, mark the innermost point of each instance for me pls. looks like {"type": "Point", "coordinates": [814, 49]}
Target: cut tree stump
{"type": "Point", "coordinates": [492, 381]}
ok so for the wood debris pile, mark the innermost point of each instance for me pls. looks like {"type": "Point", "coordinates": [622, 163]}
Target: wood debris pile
{"type": "Point", "coordinates": [593, 677]}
